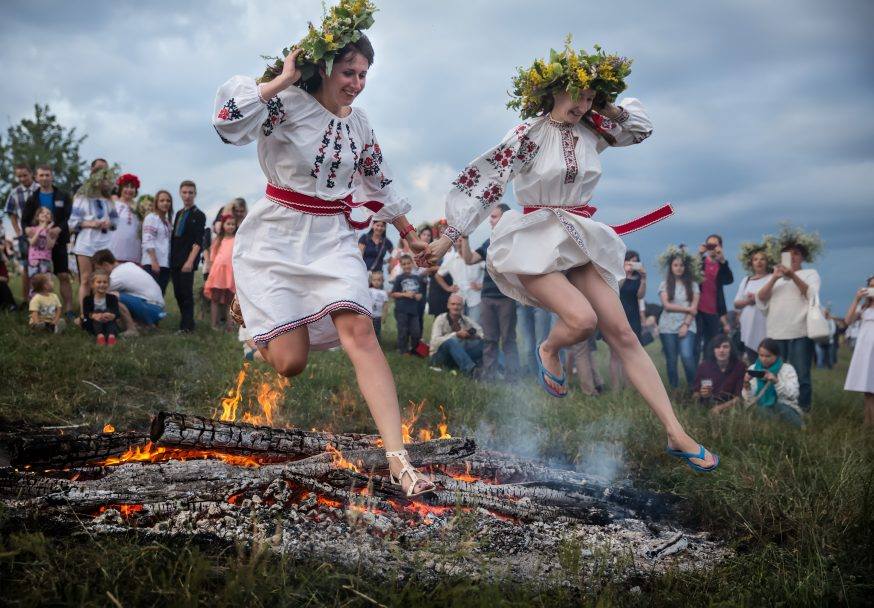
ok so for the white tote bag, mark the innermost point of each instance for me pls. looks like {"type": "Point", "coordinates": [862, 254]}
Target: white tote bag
{"type": "Point", "coordinates": [817, 325]}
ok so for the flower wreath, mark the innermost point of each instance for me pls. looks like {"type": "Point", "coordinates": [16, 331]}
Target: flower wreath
{"type": "Point", "coordinates": [570, 71]}
{"type": "Point", "coordinates": [340, 26]}
{"type": "Point", "coordinates": [98, 182]}
{"type": "Point", "coordinates": [692, 262]}
{"type": "Point", "coordinates": [749, 249]}
{"type": "Point", "coordinates": [128, 178]}
{"type": "Point", "coordinates": [789, 235]}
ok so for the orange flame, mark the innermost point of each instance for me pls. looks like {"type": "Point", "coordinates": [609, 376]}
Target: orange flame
{"type": "Point", "coordinates": [339, 460]}
{"type": "Point", "coordinates": [152, 453]}
{"type": "Point", "coordinates": [108, 428]}
{"type": "Point", "coordinates": [235, 396]}
{"type": "Point", "coordinates": [443, 425]}
{"type": "Point", "coordinates": [414, 410]}
{"type": "Point", "coordinates": [268, 395]}
{"type": "Point", "coordinates": [425, 435]}
{"type": "Point", "coordinates": [126, 510]}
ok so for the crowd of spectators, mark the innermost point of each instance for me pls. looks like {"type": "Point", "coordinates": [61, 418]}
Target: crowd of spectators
{"type": "Point", "coordinates": [126, 249]}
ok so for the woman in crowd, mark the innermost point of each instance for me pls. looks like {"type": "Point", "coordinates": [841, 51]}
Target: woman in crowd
{"type": "Point", "coordinates": [860, 376]}
{"type": "Point", "coordinates": [555, 255]}
{"type": "Point", "coordinates": [772, 384]}
{"type": "Point", "coordinates": [754, 258]}
{"type": "Point", "coordinates": [157, 230]}
{"type": "Point", "coordinates": [93, 219]}
{"type": "Point", "coordinates": [631, 293]}
{"type": "Point", "coordinates": [301, 280]}
{"type": "Point", "coordinates": [126, 243]}
{"type": "Point", "coordinates": [720, 375]}
{"type": "Point", "coordinates": [679, 295]}
{"type": "Point", "coordinates": [374, 246]}
{"type": "Point", "coordinates": [219, 288]}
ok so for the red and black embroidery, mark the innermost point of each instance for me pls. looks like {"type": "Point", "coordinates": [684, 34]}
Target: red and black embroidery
{"type": "Point", "coordinates": [320, 157]}
{"type": "Point", "coordinates": [275, 116]}
{"type": "Point", "coordinates": [230, 111]}
{"type": "Point", "coordinates": [501, 158]}
{"type": "Point", "coordinates": [452, 232]}
{"type": "Point", "coordinates": [354, 148]}
{"type": "Point", "coordinates": [639, 136]}
{"type": "Point", "coordinates": [568, 145]}
{"type": "Point", "coordinates": [467, 180]}
{"type": "Point", "coordinates": [623, 116]}
{"type": "Point", "coordinates": [491, 195]}
{"type": "Point", "coordinates": [527, 150]}
{"type": "Point", "coordinates": [335, 163]}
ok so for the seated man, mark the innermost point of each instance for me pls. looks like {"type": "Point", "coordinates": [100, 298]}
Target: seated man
{"type": "Point", "coordinates": [137, 291]}
{"type": "Point", "coordinates": [456, 340]}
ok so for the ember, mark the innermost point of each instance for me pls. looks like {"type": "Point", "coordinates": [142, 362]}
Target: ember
{"type": "Point", "coordinates": [108, 428]}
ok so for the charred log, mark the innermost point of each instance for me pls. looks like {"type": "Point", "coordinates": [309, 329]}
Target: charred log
{"type": "Point", "coordinates": [52, 450]}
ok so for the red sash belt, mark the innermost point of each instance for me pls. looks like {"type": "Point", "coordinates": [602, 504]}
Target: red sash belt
{"type": "Point", "coordinates": [648, 219]}
{"type": "Point", "coordinates": [317, 206]}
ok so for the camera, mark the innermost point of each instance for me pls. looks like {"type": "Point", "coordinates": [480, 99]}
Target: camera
{"type": "Point", "coordinates": [710, 246]}
{"type": "Point", "coordinates": [471, 331]}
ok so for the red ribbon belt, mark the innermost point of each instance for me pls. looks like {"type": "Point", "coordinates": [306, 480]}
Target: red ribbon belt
{"type": "Point", "coordinates": [587, 211]}
{"type": "Point", "coordinates": [317, 206]}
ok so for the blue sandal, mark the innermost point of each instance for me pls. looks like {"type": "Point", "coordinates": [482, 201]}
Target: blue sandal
{"type": "Point", "coordinates": [687, 456]}
{"type": "Point", "coordinates": [545, 373]}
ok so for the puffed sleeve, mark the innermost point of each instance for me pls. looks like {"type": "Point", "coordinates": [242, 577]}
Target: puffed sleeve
{"type": "Point", "coordinates": [239, 114]}
{"type": "Point", "coordinates": [150, 231]}
{"type": "Point", "coordinates": [481, 184]}
{"type": "Point", "coordinates": [631, 127]}
{"type": "Point", "coordinates": [77, 214]}
{"type": "Point", "coordinates": [374, 180]}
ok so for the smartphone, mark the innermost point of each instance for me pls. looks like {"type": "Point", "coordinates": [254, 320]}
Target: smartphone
{"type": "Point", "coordinates": [871, 292]}
{"type": "Point", "coordinates": [710, 246]}
{"type": "Point", "coordinates": [756, 373]}
{"type": "Point", "coordinates": [786, 259]}
{"type": "Point", "coordinates": [636, 265]}
{"type": "Point", "coordinates": [706, 383]}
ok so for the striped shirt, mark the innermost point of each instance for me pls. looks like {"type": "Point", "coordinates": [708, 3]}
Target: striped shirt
{"type": "Point", "coordinates": [17, 198]}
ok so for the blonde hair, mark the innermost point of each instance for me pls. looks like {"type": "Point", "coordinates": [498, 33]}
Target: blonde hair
{"type": "Point", "coordinates": [97, 273]}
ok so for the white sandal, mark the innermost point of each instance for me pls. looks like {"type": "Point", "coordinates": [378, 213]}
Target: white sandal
{"type": "Point", "coordinates": [408, 469]}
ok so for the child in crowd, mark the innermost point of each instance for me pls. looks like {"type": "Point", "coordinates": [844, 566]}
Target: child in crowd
{"type": "Point", "coordinates": [41, 237]}
{"type": "Point", "coordinates": [219, 287]}
{"type": "Point", "coordinates": [408, 289]}
{"type": "Point", "coordinates": [45, 305]}
{"type": "Point", "coordinates": [7, 300]}
{"type": "Point", "coordinates": [100, 310]}
{"type": "Point", "coordinates": [380, 300]}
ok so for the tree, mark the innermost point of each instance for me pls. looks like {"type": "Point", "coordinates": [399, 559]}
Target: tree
{"type": "Point", "coordinates": [41, 140]}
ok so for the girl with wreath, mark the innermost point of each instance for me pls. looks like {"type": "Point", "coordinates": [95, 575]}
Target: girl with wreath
{"type": "Point", "coordinates": [300, 279]}
{"type": "Point", "coordinates": [553, 255]}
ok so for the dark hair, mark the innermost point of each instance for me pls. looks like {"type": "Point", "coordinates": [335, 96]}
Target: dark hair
{"type": "Point", "coordinates": [169, 216]}
{"type": "Point", "coordinates": [188, 182]}
{"type": "Point", "coordinates": [504, 207]}
{"type": "Point", "coordinates": [631, 253]}
{"type": "Point", "coordinates": [797, 247]}
{"type": "Point", "coordinates": [103, 256]}
{"type": "Point", "coordinates": [99, 160]}
{"type": "Point", "coordinates": [715, 343]}
{"type": "Point", "coordinates": [770, 345]}
{"type": "Point", "coordinates": [22, 166]}
{"type": "Point", "coordinates": [41, 281]}
{"type": "Point", "coordinates": [714, 236]}
{"type": "Point", "coordinates": [361, 46]}
{"type": "Point", "coordinates": [44, 168]}
{"type": "Point", "coordinates": [587, 120]}
{"type": "Point", "coordinates": [686, 278]}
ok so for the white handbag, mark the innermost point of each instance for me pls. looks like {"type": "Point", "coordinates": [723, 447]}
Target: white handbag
{"type": "Point", "coordinates": [817, 325]}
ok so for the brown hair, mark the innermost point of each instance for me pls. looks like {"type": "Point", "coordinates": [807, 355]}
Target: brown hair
{"type": "Point", "coordinates": [98, 273]}
{"type": "Point", "coordinates": [44, 168]}
{"type": "Point", "coordinates": [169, 216]}
{"type": "Point", "coordinates": [35, 221]}
{"type": "Point", "coordinates": [104, 256]}
{"type": "Point", "coordinates": [41, 282]}
{"type": "Point", "coordinates": [22, 166]}
{"type": "Point", "coordinates": [362, 46]}
{"type": "Point", "coordinates": [188, 182]}
{"type": "Point", "coordinates": [685, 278]}
{"type": "Point", "coordinates": [586, 120]}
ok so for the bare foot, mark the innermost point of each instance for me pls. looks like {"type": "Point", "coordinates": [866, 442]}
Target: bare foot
{"type": "Point", "coordinates": [552, 364]}
{"type": "Point", "coordinates": [689, 445]}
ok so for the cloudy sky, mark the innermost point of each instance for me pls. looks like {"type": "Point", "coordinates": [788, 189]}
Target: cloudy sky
{"type": "Point", "coordinates": [762, 110]}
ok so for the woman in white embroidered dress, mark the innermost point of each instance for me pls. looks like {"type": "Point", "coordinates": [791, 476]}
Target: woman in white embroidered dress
{"type": "Point", "coordinates": [554, 256]}
{"type": "Point", "coordinates": [157, 228]}
{"type": "Point", "coordinates": [126, 243]}
{"type": "Point", "coordinates": [301, 282]}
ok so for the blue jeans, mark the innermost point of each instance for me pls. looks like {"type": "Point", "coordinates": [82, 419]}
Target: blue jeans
{"type": "Point", "coordinates": [825, 355]}
{"type": "Point", "coordinates": [799, 352]}
{"type": "Point", "coordinates": [673, 345]}
{"type": "Point", "coordinates": [534, 325]}
{"type": "Point", "coordinates": [142, 311]}
{"type": "Point", "coordinates": [787, 413]}
{"type": "Point", "coordinates": [463, 354]}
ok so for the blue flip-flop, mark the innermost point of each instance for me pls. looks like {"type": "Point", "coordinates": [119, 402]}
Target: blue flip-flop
{"type": "Point", "coordinates": [544, 373]}
{"type": "Point", "coordinates": [687, 456]}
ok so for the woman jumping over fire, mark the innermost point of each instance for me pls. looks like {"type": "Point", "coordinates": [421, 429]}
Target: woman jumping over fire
{"type": "Point", "coordinates": [300, 280]}
{"type": "Point", "coordinates": [553, 255]}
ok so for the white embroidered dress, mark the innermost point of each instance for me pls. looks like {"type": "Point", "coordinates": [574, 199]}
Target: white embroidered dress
{"type": "Point", "coordinates": [294, 269]}
{"type": "Point", "coordinates": [551, 164]}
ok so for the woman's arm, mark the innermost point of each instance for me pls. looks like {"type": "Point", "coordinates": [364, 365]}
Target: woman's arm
{"type": "Point", "coordinates": [853, 312]}
{"type": "Point", "coordinates": [671, 306]}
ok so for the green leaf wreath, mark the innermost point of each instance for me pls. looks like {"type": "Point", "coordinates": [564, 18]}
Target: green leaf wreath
{"type": "Point", "coordinates": [100, 183]}
{"type": "Point", "coordinates": [340, 26]}
{"type": "Point", "coordinates": [793, 235]}
{"type": "Point", "coordinates": [570, 71]}
{"type": "Point", "coordinates": [692, 262]}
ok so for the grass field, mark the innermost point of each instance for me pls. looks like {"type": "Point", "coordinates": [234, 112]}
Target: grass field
{"type": "Point", "coordinates": [796, 505]}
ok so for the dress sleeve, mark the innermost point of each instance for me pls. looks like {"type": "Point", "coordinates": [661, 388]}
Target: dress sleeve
{"type": "Point", "coordinates": [113, 215]}
{"type": "Point", "coordinates": [150, 232]}
{"type": "Point", "coordinates": [787, 384]}
{"type": "Point", "coordinates": [375, 182]}
{"type": "Point", "coordinates": [239, 114]}
{"type": "Point", "coordinates": [481, 184]}
{"type": "Point", "coordinates": [77, 214]}
{"type": "Point", "coordinates": [631, 127]}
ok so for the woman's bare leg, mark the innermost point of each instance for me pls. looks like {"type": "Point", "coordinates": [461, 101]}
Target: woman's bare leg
{"type": "Point", "coordinates": [639, 368]}
{"type": "Point", "coordinates": [288, 353]}
{"type": "Point", "coordinates": [375, 382]}
{"type": "Point", "coordinates": [85, 270]}
{"type": "Point", "coordinates": [617, 377]}
{"type": "Point", "coordinates": [215, 314]}
{"type": "Point", "coordinates": [576, 317]}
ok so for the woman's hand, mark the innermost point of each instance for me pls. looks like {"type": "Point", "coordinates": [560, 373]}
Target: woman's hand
{"type": "Point", "coordinates": [156, 268]}
{"type": "Point", "coordinates": [438, 249]}
{"type": "Point", "coordinates": [290, 74]}
{"type": "Point", "coordinates": [684, 329]}
{"type": "Point", "coordinates": [417, 245]}
{"type": "Point", "coordinates": [862, 293]}
{"type": "Point", "coordinates": [770, 377]}
{"type": "Point", "coordinates": [454, 288]}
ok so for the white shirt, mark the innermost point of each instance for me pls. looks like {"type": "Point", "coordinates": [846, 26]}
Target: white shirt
{"type": "Point", "coordinates": [129, 278]}
{"type": "Point", "coordinates": [463, 275]}
{"type": "Point", "coordinates": [379, 298]}
{"type": "Point", "coordinates": [126, 237]}
{"type": "Point", "coordinates": [156, 235]}
{"type": "Point", "coordinates": [751, 318]}
{"type": "Point", "coordinates": [786, 310]}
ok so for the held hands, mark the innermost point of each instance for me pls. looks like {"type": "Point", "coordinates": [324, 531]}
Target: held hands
{"type": "Point", "coordinates": [436, 250]}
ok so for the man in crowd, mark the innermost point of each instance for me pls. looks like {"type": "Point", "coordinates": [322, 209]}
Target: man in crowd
{"type": "Point", "coordinates": [188, 228]}
{"type": "Point", "coordinates": [497, 311]}
{"type": "Point", "coordinates": [456, 339]}
{"type": "Point", "coordinates": [138, 292]}
{"type": "Point", "coordinates": [14, 209]}
{"type": "Point", "coordinates": [712, 311]}
{"type": "Point", "coordinates": [58, 203]}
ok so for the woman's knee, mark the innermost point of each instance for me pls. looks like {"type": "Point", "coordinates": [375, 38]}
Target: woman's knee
{"type": "Point", "coordinates": [357, 334]}
{"type": "Point", "coordinates": [582, 323]}
{"type": "Point", "coordinates": [288, 364]}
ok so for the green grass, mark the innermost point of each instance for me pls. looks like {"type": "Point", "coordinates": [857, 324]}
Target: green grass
{"type": "Point", "coordinates": [797, 506]}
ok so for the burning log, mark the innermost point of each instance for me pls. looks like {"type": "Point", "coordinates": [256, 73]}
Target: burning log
{"type": "Point", "coordinates": [53, 450]}
{"type": "Point", "coordinates": [189, 431]}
